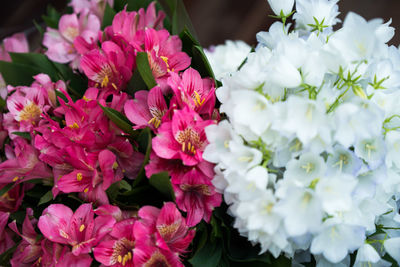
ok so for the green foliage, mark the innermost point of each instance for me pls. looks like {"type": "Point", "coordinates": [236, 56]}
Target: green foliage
{"type": "Point", "coordinates": [119, 120]}
{"type": "Point", "coordinates": [162, 182]}
{"type": "Point", "coordinates": [24, 135]}
{"type": "Point", "coordinates": [52, 17]}
{"type": "Point", "coordinates": [144, 69]}
{"type": "Point", "coordinates": [109, 14]}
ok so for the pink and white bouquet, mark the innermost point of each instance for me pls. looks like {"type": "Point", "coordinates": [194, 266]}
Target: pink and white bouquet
{"type": "Point", "coordinates": [124, 143]}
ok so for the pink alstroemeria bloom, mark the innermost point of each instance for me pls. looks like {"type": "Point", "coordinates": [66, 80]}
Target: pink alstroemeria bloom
{"type": "Point", "coordinates": [110, 67]}
{"type": "Point", "coordinates": [191, 90]}
{"type": "Point", "coordinates": [6, 241]}
{"type": "Point", "coordinates": [44, 84]}
{"type": "Point", "coordinates": [148, 256]}
{"type": "Point", "coordinates": [23, 164]}
{"type": "Point", "coordinates": [118, 249]}
{"type": "Point", "coordinates": [12, 199]}
{"type": "Point", "coordinates": [182, 138]}
{"type": "Point", "coordinates": [197, 196]}
{"type": "Point", "coordinates": [165, 55]}
{"type": "Point", "coordinates": [29, 250]}
{"type": "Point", "coordinates": [60, 43]}
{"type": "Point", "coordinates": [26, 105]}
{"type": "Point", "coordinates": [59, 224]}
{"type": "Point", "coordinates": [127, 24]}
{"type": "Point", "coordinates": [96, 7]}
{"type": "Point", "coordinates": [15, 43]}
{"type": "Point", "coordinates": [147, 109]}
{"type": "Point", "coordinates": [57, 255]}
{"type": "Point", "coordinates": [3, 131]}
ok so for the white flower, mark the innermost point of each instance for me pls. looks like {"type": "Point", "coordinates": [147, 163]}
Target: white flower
{"type": "Point", "coordinates": [366, 255]}
{"type": "Point", "coordinates": [336, 240]}
{"type": "Point", "coordinates": [306, 169]}
{"type": "Point", "coordinates": [343, 161]}
{"type": "Point", "coordinates": [309, 12]}
{"type": "Point", "coordinates": [336, 192]}
{"type": "Point", "coordinates": [392, 247]}
{"type": "Point", "coordinates": [219, 137]}
{"type": "Point", "coordinates": [281, 6]}
{"type": "Point", "coordinates": [372, 150]}
{"type": "Point", "coordinates": [251, 185]}
{"type": "Point", "coordinates": [305, 118]}
{"type": "Point", "coordinates": [241, 157]}
{"type": "Point", "coordinates": [252, 110]}
{"type": "Point", "coordinates": [301, 211]}
{"type": "Point", "coordinates": [393, 149]}
{"type": "Point", "coordinates": [226, 59]}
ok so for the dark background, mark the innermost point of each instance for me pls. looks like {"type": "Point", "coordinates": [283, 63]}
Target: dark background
{"type": "Point", "coordinates": [214, 20]}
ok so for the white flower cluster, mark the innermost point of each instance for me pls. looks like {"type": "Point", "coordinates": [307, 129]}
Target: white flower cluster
{"type": "Point", "coordinates": [309, 156]}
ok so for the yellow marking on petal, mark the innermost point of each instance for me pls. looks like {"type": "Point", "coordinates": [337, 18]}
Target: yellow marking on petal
{"type": "Point", "coordinates": [30, 112]}
{"type": "Point", "coordinates": [79, 176]}
{"type": "Point", "coordinates": [115, 165]}
{"type": "Point", "coordinates": [15, 179]}
{"type": "Point", "coordinates": [198, 101]}
{"type": "Point", "coordinates": [119, 258]}
{"type": "Point", "coordinates": [85, 98]}
{"type": "Point", "coordinates": [82, 228]}
{"type": "Point", "coordinates": [105, 81]}
{"type": "Point", "coordinates": [74, 126]}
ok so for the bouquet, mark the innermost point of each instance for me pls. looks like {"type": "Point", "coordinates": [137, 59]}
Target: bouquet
{"type": "Point", "coordinates": [124, 143]}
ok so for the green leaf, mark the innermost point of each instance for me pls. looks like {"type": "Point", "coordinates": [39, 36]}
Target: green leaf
{"type": "Point", "coordinates": [119, 5]}
{"type": "Point", "coordinates": [144, 141]}
{"type": "Point", "coordinates": [17, 74]}
{"type": "Point", "coordinates": [76, 83]}
{"type": "Point", "coordinates": [162, 183]}
{"type": "Point", "coordinates": [136, 84]}
{"type": "Point", "coordinates": [119, 120]}
{"type": "Point", "coordinates": [46, 198]}
{"type": "Point", "coordinates": [37, 61]}
{"type": "Point", "coordinates": [209, 255]}
{"type": "Point", "coordinates": [181, 19]}
{"type": "Point", "coordinates": [5, 257]}
{"type": "Point", "coordinates": [200, 62]}
{"type": "Point", "coordinates": [6, 188]}
{"type": "Point", "coordinates": [52, 17]}
{"type": "Point", "coordinates": [3, 103]}
{"type": "Point", "coordinates": [143, 66]}
{"type": "Point", "coordinates": [25, 135]}
{"type": "Point", "coordinates": [109, 14]}
{"type": "Point", "coordinates": [125, 185]}
{"type": "Point", "coordinates": [135, 5]}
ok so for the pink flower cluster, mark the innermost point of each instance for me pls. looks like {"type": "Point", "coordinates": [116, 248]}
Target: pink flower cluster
{"type": "Point", "coordinates": [149, 237]}
{"type": "Point", "coordinates": [180, 140]}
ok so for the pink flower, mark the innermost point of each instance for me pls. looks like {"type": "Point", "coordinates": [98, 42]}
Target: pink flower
{"type": "Point", "coordinates": [60, 43]}
{"type": "Point", "coordinates": [182, 138]}
{"type": "Point", "coordinates": [29, 250]}
{"type": "Point", "coordinates": [96, 7]}
{"type": "Point", "coordinates": [165, 55]}
{"type": "Point", "coordinates": [23, 164]}
{"type": "Point", "coordinates": [147, 109]}
{"type": "Point", "coordinates": [15, 43]}
{"type": "Point", "coordinates": [56, 255]}
{"type": "Point", "coordinates": [26, 105]}
{"type": "Point", "coordinates": [115, 212]}
{"type": "Point", "coordinates": [118, 249]}
{"type": "Point", "coordinates": [6, 241]}
{"type": "Point", "coordinates": [196, 195]}
{"type": "Point", "coordinates": [110, 67]}
{"type": "Point", "coordinates": [148, 256]}
{"type": "Point", "coordinates": [161, 236]}
{"type": "Point", "coordinates": [80, 230]}
{"type": "Point", "coordinates": [191, 90]}
{"type": "Point", "coordinates": [127, 24]}
{"type": "Point", "coordinates": [11, 200]}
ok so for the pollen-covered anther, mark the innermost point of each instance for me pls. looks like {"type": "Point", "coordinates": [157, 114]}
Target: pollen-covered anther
{"type": "Point", "coordinates": [74, 126]}
{"type": "Point", "coordinates": [79, 176]}
{"type": "Point", "coordinates": [31, 112]}
{"type": "Point", "coordinates": [81, 228]}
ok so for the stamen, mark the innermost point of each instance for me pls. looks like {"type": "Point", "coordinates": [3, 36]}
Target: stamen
{"type": "Point", "coordinates": [115, 87]}
{"type": "Point", "coordinates": [309, 167]}
{"type": "Point", "coordinates": [15, 179]}
{"type": "Point", "coordinates": [79, 176]}
{"type": "Point", "coordinates": [105, 81]}
{"type": "Point", "coordinates": [82, 228]}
